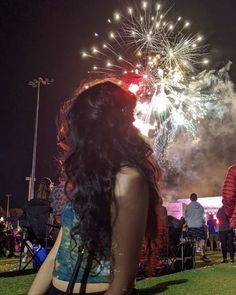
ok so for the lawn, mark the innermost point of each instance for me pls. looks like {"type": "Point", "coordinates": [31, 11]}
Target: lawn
{"type": "Point", "coordinates": [208, 278]}
{"type": "Point", "coordinates": [214, 280]}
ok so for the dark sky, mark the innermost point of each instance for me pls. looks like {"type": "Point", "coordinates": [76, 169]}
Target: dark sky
{"type": "Point", "coordinates": [45, 38]}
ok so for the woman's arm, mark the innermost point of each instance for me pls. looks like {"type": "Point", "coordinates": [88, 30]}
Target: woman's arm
{"type": "Point", "coordinates": [131, 192]}
{"type": "Point", "coordinates": [44, 276]}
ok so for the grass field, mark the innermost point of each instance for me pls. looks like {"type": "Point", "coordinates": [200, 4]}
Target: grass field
{"type": "Point", "coordinates": [208, 278]}
{"type": "Point", "coordinates": [214, 280]}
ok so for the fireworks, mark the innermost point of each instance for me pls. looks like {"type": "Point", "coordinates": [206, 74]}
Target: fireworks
{"type": "Point", "coordinates": [159, 60]}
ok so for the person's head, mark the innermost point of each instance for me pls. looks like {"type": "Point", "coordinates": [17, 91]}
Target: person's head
{"type": "Point", "coordinates": [97, 137]}
{"type": "Point", "coordinates": [101, 115]}
{"type": "Point", "coordinates": [193, 197]}
{"type": "Point", "coordinates": [44, 188]}
{"type": "Point", "coordinates": [211, 216]}
{"type": "Point", "coordinates": [182, 219]}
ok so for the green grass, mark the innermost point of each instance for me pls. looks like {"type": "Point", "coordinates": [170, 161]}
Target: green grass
{"type": "Point", "coordinates": [8, 264]}
{"type": "Point", "coordinates": [211, 278]}
{"type": "Point", "coordinates": [214, 280]}
{"type": "Point", "coordinates": [18, 285]}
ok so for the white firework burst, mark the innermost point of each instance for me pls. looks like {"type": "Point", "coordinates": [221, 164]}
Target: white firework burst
{"type": "Point", "coordinates": [158, 59]}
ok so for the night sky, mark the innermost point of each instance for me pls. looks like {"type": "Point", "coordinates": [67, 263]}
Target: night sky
{"type": "Point", "coordinates": [45, 38]}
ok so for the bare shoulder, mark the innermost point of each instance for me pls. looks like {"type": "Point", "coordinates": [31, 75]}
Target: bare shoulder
{"type": "Point", "coordinates": [129, 182]}
{"type": "Point", "coordinates": [130, 174]}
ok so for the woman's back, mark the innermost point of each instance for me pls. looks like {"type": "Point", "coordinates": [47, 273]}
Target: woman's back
{"type": "Point", "coordinates": [68, 253]}
{"type": "Point", "coordinates": [112, 184]}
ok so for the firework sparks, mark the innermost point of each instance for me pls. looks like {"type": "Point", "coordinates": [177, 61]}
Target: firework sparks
{"type": "Point", "coordinates": [164, 57]}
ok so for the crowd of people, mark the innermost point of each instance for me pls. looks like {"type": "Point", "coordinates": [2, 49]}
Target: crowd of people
{"type": "Point", "coordinates": [9, 239]}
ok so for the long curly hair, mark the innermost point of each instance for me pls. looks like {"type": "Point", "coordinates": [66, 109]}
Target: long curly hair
{"type": "Point", "coordinates": [96, 138]}
{"type": "Point", "coordinates": [44, 188]}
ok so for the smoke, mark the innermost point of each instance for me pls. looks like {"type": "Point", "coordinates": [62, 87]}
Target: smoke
{"type": "Point", "coordinates": [198, 164]}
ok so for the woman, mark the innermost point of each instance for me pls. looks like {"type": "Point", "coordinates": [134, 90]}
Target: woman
{"type": "Point", "coordinates": [112, 186]}
{"type": "Point", "coordinates": [226, 234]}
{"type": "Point", "coordinates": [44, 188]}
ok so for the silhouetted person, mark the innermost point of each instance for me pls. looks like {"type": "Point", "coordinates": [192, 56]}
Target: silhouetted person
{"type": "Point", "coordinates": [213, 231]}
{"type": "Point", "coordinates": [36, 213]}
{"type": "Point", "coordinates": [226, 234]}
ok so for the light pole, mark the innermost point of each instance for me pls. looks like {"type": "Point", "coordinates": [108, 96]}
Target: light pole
{"type": "Point", "coordinates": [36, 83]}
{"type": "Point", "coordinates": [8, 205]}
{"type": "Point", "coordinates": [28, 178]}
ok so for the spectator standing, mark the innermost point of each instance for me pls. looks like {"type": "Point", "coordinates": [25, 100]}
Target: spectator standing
{"type": "Point", "coordinates": [194, 216]}
{"type": "Point", "coordinates": [57, 199]}
{"type": "Point", "coordinates": [213, 231]}
{"type": "Point", "coordinates": [226, 234]}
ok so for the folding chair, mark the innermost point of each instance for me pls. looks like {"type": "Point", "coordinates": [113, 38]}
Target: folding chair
{"type": "Point", "coordinates": [181, 249]}
{"type": "Point", "coordinates": [35, 237]}
{"type": "Point", "coordinates": [182, 255]}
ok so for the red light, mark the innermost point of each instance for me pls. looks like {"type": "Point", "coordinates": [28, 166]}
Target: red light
{"type": "Point", "coordinates": [134, 88]}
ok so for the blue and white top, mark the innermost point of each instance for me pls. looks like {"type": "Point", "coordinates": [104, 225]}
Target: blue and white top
{"type": "Point", "coordinates": [68, 253]}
